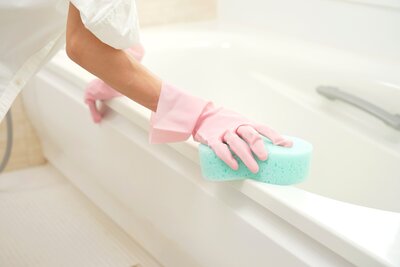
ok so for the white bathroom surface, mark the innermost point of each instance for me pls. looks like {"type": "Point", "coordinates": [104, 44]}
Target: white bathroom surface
{"type": "Point", "coordinates": [46, 221]}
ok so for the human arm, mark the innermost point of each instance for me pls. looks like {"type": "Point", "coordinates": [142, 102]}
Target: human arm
{"type": "Point", "coordinates": [176, 115]}
{"type": "Point", "coordinates": [114, 66]}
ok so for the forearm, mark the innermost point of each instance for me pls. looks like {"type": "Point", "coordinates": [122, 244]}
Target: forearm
{"type": "Point", "coordinates": [115, 67]}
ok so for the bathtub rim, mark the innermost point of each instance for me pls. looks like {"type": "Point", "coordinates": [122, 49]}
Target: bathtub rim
{"type": "Point", "coordinates": [279, 200]}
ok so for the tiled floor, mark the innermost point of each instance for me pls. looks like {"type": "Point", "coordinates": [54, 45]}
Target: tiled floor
{"type": "Point", "coordinates": [46, 221]}
{"type": "Point", "coordinates": [26, 151]}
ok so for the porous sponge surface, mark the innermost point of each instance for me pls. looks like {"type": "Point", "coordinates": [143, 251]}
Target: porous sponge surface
{"type": "Point", "coordinates": [284, 165]}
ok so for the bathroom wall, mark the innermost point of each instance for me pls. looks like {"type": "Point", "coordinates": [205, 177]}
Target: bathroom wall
{"type": "Point", "coordinates": [26, 146]}
{"type": "Point", "coordinates": [363, 26]}
{"type": "Point", "coordinates": [155, 12]}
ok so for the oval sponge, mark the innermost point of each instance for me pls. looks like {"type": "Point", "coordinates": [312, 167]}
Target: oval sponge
{"type": "Point", "coordinates": [284, 165]}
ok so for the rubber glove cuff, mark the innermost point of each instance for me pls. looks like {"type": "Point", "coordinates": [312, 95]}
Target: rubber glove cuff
{"type": "Point", "coordinates": [176, 115]}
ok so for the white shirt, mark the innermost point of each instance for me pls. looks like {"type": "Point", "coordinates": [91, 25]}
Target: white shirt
{"type": "Point", "coordinates": [32, 31]}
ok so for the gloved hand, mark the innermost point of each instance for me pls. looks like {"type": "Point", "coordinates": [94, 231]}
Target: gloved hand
{"type": "Point", "coordinates": [99, 90]}
{"type": "Point", "coordinates": [180, 115]}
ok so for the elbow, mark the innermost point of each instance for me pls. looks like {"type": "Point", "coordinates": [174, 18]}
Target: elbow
{"type": "Point", "coordinates": [73, 48]}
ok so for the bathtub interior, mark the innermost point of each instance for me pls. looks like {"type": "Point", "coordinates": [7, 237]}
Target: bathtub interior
{"type": "Point", "coordinates": [355, 156]}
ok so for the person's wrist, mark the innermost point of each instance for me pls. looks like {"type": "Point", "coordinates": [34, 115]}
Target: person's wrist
{"type": "Point", "coordinates": [203, 116]}
{"type": "Point", "coordinates": [176, 115]}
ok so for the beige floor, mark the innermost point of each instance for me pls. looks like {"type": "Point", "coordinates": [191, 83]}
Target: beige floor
{"type": "Point", "coordinates": [26, 151]}
{"type": "Point", "coordinates": [45, 221]}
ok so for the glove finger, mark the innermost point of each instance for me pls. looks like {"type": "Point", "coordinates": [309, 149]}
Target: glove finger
{"type": "Point", "coordinates": [275, 137]}
{"type": "Point", "coordinates": [96, 116]}
{"type": "Point", "coordinates": [242, 150]}
{"type": "Point", "coordinates": [253, 139]}
{"type": "Point", "coordinates": [223, 152]}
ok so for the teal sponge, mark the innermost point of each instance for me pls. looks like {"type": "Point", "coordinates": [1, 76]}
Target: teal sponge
{"type": "Point", "coordinates": [284, 165]}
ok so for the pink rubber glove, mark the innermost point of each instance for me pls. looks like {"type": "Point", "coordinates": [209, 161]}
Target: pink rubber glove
{"type": "Point", "coordinates": [99, 90]}
{"type": "Point", "coordinates": [180, 115]}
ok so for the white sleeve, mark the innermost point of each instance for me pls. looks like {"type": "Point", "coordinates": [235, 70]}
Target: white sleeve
{"type": "Point", "coordinates": [114, 22]}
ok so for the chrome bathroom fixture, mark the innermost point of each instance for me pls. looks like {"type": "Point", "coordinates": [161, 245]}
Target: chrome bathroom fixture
{"type": "Point", "coordinates": [334, 93]}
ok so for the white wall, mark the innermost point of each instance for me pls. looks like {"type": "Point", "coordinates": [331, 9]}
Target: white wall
{"type": "Point", "coordinates": [367, 28]}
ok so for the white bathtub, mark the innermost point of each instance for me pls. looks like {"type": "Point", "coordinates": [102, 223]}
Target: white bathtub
{"type": "Point", "coordinates": [346, 213]}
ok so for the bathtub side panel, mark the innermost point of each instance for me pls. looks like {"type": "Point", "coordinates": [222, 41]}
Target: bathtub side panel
{"type": "Point", "coordinates": [157, 195]}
